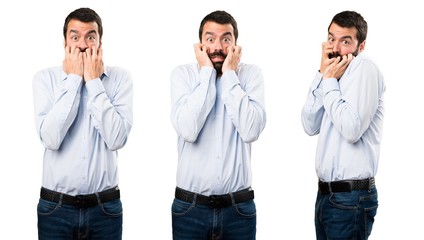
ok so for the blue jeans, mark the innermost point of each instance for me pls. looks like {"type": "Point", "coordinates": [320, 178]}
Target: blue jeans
{"type": "Point", "coordinates": [57, 221]}
{"type": "Point", "coordinates": [345, 215]}
{"type": "Point", "coordinates": [191, 221]}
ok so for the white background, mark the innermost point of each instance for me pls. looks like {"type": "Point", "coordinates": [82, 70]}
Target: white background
{"type": "Point", "coordinates": [150, 38]}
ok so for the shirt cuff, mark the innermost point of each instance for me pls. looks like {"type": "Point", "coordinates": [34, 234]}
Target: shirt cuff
{"type": "Point", "coordinates": [94, 87]}
{"type": "Point", "coordinates": [330, 84]}
{"type": "Point", "coordinates": [230, 79]}
{"type": "Point", "coordinates": [316, 81]}
{"type": "Point", "coordinates": [206, 72]}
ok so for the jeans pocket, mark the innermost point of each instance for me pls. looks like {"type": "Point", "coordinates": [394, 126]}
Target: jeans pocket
{"type": "Point", "coordinates": [180, 208]}
{"type": "Point", "coordinates": [246, 209]}
{"type": "Point", "coordinates": [344, 200]}
{"type": "Point", "coordinates": [112, 208]}
{"type": "Point", "coordinates": [46, 207]}
{"type": "Point", "coordinates": [370, 204]}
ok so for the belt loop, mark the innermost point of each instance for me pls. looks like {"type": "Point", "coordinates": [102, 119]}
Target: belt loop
{"type": "Point", "coordinates": [194, 200]}
{"type": "Point", "coordinates": [233, 202]}
{"type": "Point", "coordinates": [369, 184]}
{"type": "Point", "coordinates": [60, 199]}
{"type": "Point", "coordinates": [98, 198]}
{"type": "Point", "coordinates": [329, 187]}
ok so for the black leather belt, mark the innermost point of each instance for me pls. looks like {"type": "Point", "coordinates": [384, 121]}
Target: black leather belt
{"type": "Point", "coordinates": [346, 186]}
{"type": "Point", "coordinates": [215, 201]}
{"type": "Point", "coordinates": [80, 201]}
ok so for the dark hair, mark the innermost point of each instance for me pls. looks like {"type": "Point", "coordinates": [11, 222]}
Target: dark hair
{"type": "Point", "coordinates": [348, 19]}
{"type": "Point", "coordinates": [220, 17]}
{"type": "Point", "coordinates": [85, 15]}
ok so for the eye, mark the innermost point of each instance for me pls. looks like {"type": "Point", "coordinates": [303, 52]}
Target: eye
{"type": "Point", "coordinates": [91, 38]}
{"type": "Point", "coordinates": [227, 40]}
{"type": "Point", "coordinates": [345, 42]}
{"type": "Point", "coordinates": [74, 38]}
{"type": "Point", "coordinates": [330, 39]}
{"type": "Point", "coordinates": [210, 40]}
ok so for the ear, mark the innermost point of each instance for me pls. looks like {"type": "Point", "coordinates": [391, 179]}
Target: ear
{"type": "Point", "coordinates": [362, 46]}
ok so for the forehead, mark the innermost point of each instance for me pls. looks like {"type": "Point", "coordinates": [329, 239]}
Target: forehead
{"type": "Point", "coordinates": [217, 29]}
{"type": "Point", "coordinates": [341, 32]}
{"type": "Point", "coordinates": [82, 27]}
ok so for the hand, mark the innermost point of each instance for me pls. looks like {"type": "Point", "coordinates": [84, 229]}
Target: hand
{"type": "Point", "coordinates": [202, 56]}
{"type": "Point", "coordinates": [327, 49]}
{"type": "Point", "coordinates": [337, 68]}
{"type": "Point", "coordinates": [233, 58]}
{"type": "Point", "coordinates": [73, 62]}
{"type": "Point", "coordinates": [93, 63]}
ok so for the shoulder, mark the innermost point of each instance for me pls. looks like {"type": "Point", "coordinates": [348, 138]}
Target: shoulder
{"type": "Point", "coordinates": [115, 70]}
{"type": "Point", "coordinates": [248, 67]}
{"type": "Point", "coordinates": [189, 67]}
{"type": "Point", "coordinates": [249, 71]}
{"type": "Point", "coordinates": [48, 74]}
{"type": "Point", "coordinates": [118, 74]}
{"type": "Point", "coordinates": [50, 71]}
{"type": "Point", "coordinates": [364, 60]}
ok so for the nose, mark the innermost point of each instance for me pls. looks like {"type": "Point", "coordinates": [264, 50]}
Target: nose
{"type": "Point", "coordinates": [82, 45]}
{"type": "Point", "coordinates": [336, 47]}
{"type": "Point", "coordinates": [217, 46]}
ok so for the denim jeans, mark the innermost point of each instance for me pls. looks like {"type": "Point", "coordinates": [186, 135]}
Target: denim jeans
{"type": "Point", "coordinates": [191, 221]}
{"type": "Point", "coordinates": [57, 221]}
{"type": "Point", "coordinates": [345, 215]}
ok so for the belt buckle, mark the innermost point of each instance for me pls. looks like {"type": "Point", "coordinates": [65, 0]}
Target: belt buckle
{"type": "Point", "coordinates": [82, 201]}
{"type": "Point", "coordinates": [215, 201]}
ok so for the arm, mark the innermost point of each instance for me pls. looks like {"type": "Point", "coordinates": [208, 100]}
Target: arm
{"type": "Point", "coordinates": [111, 111]}
{"type": "Point", "coordinates": [244, 101]}
{"type": "Point", "coordinates": [352, 110]}
{"type": "Point", "coordinates": [193, 96]}
{"type": "Point", "coordinates": [313, 110]}
{"type": "Point", "coordinates": [56, 103]}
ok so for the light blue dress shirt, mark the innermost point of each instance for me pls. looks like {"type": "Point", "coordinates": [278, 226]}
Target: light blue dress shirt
{"type": "Point", "coordinates": [348, 116]}
{"type": "Point", "coordinates": [216, 120]}
{"type": "Point", "coordinates": [82, 125]}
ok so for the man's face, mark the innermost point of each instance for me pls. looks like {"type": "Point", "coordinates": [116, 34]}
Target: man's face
{"type": "Point", "coordinates": [344, 41]}
{"type": "Point", "coordinates": [217, 38]}
{"type": "Point", "coordinates": [82, 35]}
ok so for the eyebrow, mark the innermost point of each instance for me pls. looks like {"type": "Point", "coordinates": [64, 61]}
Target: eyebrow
{"type": "Point", "coordinates": [343, 37]}
{"type": "Point", "coordinates": [89, 32]}
{"type": "Point", "coordinates": [225, 34]}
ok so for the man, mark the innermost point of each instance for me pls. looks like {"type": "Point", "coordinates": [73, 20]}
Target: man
{"type": "Point", "coordinates": [217, 111]}
{"type": "Point", "coordinates": [83, 115]}
{"type": "Point", "coordinates": [345, 107]}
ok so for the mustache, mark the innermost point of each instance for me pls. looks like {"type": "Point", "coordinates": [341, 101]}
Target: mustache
{"type": "Point", "coordinates": [217, 54]}
{"type": "Point", "coordinates": [334, 55]}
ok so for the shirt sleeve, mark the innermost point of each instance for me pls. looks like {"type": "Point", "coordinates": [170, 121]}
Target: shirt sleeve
{"type": "Point", "coordinates": [351, 103]}
{"type": "Point", "coordinates": [193, 96]}
{"type": "Point", "coordinates": [313, 110]}
{"type": "Point", "coordinates": [111, 112]}
{"type": "Point", "coordinates": [244, 101]}
{"type": "Point", "coordinates": [56, 104]}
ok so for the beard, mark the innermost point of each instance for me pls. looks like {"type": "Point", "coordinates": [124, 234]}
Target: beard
{"type": "Point", "coordinates": [217, 65]}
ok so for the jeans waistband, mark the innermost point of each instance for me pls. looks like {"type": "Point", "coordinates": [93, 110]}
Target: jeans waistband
{"type": "Point", "coordinates": [215, 201]}
{"type": "Point", "coordinates": [346, 185]}
{"type": "Point", "coordinates": [80, 201]}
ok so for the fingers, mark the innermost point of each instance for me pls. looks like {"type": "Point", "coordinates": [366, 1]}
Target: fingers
{"type": "Point", "coordinates": [198, 48]}
{"type": "Point", "coordinates": [326, 49]}
{"type": "Point", "coordinates": [234, 51]}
